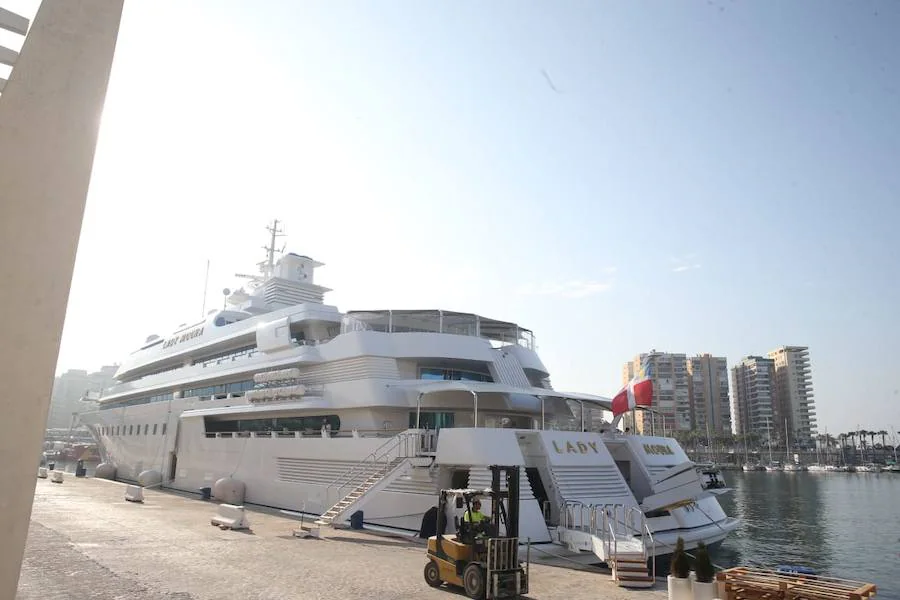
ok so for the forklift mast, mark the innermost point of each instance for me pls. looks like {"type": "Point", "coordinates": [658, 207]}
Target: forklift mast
{"type": "Point", "coordinates": [512, 488]}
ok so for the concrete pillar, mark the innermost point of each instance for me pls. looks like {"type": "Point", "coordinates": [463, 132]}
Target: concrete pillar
{"type": "Point", "coordinates": [49, 118]}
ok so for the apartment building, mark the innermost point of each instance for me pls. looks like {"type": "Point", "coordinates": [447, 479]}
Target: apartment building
{"type": "Point", "coordinates": [754, 397]}
{"type": "Point", "coordinates": [708, 392]}
{"type": "Point", "coordinates": [671, 395]}
{"type": "Point", "coordinates": [68, 390]}
{"type": "Point", "coordinates": [793, 381]}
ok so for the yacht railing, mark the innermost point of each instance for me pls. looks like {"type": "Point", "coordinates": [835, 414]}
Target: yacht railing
{"type": "Point", "coordinates": [315, 434]}
{"type": "Point", "coordinates": [380, 461]}
{"type": "Point", "coordinates": [438, 321]}
{"type": "Point", "coordinates": [610, 522]}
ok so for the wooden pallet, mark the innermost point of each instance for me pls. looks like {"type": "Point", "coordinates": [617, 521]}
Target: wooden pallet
{"type": "Point", "coordinates": [749, 583]}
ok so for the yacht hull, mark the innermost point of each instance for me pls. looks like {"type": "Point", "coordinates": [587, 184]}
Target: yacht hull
{"type": "Point", "coordinates": [309, 472]}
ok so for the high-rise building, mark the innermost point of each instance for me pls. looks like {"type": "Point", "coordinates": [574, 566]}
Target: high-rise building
{"type": "Point", "coordinates": [68, 390]}
{"type": "Point", "coordinates": [796, 409]}
{"type": "Point", "coordinates": [754, 397]}
{"type": "Point", "coordinates": [708, 393]}
{"type": "Point", "coordinates": [671, 397]}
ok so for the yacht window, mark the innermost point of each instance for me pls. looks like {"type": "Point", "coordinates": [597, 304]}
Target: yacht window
{"type": "Point", "coordinates": [509, 421]}
{"type": "Point", "coordinates": [154, 429]}
{"type": "Point", "coordinates": [436, 373]}
{"type": "Point", "coordinates": [309, 424]}
{"type": "Point", "coordinates": [131, 430]}
{"type": "Point", "coordinates": [164, 429]}
{"type": "Point", "coordinates": [146, 429]}
{"type": "Point", "coordinates": [432, 420]}
{"type": "Point", "coordinates": [137, 401]}
{"type": "Point", "coordinates": [225, 388]}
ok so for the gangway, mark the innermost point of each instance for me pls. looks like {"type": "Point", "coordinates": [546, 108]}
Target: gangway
{"type": "Point", "coordinates": [616, 534]}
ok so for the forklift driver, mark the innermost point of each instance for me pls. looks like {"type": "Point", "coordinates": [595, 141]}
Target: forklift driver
{"type": "Point", "coordinates": [474, 515]}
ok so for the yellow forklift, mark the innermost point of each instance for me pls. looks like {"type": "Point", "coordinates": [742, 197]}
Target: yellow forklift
{"type": "Point", "coordinates": [477, 557]}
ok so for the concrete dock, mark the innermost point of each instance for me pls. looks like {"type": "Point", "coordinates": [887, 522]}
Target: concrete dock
{"type": "Point", "coordinates": [85, 541]}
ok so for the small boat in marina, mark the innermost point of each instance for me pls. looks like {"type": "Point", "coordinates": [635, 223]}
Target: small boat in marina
{"type": "Point", "coordinates": [869, 468]}
{"type": "Point", "coordinates": [819, 468]}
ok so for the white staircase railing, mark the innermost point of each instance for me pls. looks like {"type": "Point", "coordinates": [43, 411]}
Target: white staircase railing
{"type": "Point", "coordinates": [612, 523]}
{"type": "Point", "coordinates": [365, 474]}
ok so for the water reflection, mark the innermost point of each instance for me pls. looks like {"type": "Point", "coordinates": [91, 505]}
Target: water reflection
{"type": "Point", "coordinates": [782, 517]}
{"type": "Point", "coordinates": [841, 524]}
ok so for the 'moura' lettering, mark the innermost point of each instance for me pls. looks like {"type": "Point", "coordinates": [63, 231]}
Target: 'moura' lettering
{"type": "Point", "coordinates": [576, 448]}
{"type": "Point", "coordinates": [657, 449]}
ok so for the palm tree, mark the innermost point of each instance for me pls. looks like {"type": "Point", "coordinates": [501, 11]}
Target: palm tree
{"type": "Point", "coordinates": [753, 438]}
{"type": "Point", "coordinates": [824, 443]}
{"type": "Point", "coordinates": [852, 436]}
{"type": "Point", "coordinates": [862, 433]}
{"type": "Point", "coordinates": [883, 435]}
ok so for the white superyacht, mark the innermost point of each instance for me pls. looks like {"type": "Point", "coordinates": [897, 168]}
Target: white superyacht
{"type": "Point", "coordinates": [373, 412]}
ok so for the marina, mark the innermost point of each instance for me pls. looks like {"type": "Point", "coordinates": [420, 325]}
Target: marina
{"type": "Point", "coordinates": [478, 177]}
{"type": "Point", "coordinates": [838, 524]}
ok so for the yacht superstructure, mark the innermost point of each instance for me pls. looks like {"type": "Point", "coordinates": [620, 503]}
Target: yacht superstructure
{"type": "Point", "coordinates": [332, 413]}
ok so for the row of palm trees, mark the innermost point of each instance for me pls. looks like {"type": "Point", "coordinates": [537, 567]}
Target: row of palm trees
{"type": "Point", "coordinates": [861, 439]}
{"type": "Point", "coordinates": [828, 442]}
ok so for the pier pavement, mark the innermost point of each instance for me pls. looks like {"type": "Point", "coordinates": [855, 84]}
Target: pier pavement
{"type": "Point", "coordinates": [86, 542]}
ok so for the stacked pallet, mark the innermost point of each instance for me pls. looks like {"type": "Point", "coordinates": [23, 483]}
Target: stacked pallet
{"type": "Point", "coordinates": [748, 583]}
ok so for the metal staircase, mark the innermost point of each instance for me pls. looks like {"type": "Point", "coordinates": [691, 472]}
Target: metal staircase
{"type": "Point", "coordinates": [368, 473]}
{"type": "Point", "coordinates": [615, 533]}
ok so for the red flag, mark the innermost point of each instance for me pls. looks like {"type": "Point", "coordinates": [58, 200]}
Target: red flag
{"type": "Point", "coordinates": [638, 392]}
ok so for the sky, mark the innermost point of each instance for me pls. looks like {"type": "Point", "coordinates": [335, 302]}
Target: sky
{"type": "Point", "coordinates": [618, 176]}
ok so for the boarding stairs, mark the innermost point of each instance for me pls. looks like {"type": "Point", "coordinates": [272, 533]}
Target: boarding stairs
{"type": "Point", "coordinates": [617, 534]}
{"type": "Point", "coordinates": [365, 476]}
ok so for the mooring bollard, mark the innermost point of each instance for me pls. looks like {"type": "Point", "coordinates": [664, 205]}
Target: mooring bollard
{"type": "Point", "coordinates": [230, 516]}
{"type": "Point", "coordinates": [134, 493]}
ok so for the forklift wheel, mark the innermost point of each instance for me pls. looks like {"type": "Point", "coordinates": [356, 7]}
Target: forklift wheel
{"type": "Point", "coordinates": [432, 575]}
{"type": "Point", "coordinates": [473, 581]}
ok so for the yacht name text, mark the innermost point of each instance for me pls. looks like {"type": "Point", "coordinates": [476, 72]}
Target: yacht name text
{"type": "Point", "coordinates": [657, 449]}
{"type": "Point", "coordinates": [576, 448]}
{"type": "Point", "coordinates": [187, 335]}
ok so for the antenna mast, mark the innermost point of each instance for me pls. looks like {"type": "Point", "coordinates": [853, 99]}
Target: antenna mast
{"type": "Point", "coordinates": [266, 267]}
{"type": "Point", "coordinates": [269, 265]}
